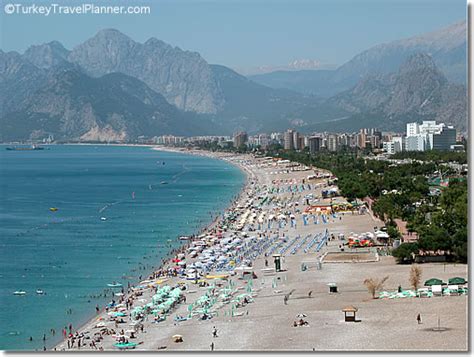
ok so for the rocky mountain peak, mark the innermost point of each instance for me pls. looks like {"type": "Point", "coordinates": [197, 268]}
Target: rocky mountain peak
{"type": "Point", "coordinates": [47, 55]}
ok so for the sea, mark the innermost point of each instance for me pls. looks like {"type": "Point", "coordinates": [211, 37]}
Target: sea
{"type": "Point", "coordinates": [74, 218]}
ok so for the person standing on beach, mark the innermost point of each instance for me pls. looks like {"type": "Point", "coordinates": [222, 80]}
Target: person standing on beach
{"type": "Point", "coordinates": [212, 346]}
{"type": "Point", "coordinates": [214, 332]}
{"type": "Point", "coordinates": [418, 319]}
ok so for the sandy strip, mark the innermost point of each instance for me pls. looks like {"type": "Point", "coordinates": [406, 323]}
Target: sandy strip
{"type": "Point", "coordinates": [265, 321]}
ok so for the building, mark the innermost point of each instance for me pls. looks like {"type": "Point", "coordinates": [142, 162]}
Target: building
{"type": "Point", "coordinates": [393, 146]}
{"type": "Point", "coordinates": [288, 140]}
{"type": "Point", "coordinates": [296, 140]}
{"type": "Point", "coordinates": [399, 142]}
{"type": "Point", "coordinates": [445, 139]}
{"type": "Point", "coordinates": [277, 138]}
{"type": "Point", "coordinates": [435, 136]}
{"type": "Point", "coordinates": [361, 139]}
{"type": "Point", "coordinates": [315, 144]}
{"type": "Point", "coordinates": [301, 142]}
{"type": "Point", "coordinates": [343, 141]}
{"type": "Point", "coordinates": [389, 147]}
{"type": "Point", "coordinates": [415, 142]}
{"type": "Point", "coordinates": [413, 129]}
{"type": "Point", "coordinates": [332, 142]}
{"type": "Point", "coordinates": [240, 139]}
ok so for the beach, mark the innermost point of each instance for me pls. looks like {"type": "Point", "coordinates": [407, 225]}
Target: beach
{"type": "Point", "coordinates": [224, 291]}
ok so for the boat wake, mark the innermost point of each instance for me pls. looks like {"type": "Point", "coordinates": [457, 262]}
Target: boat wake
{"type": "Point", "coordinates": [176, 177]}
{"type": "Point", "coordinates": [108, 205]}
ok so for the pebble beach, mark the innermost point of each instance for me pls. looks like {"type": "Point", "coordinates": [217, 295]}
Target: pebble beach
{"type": "Point", "coordinates": [258, 279]}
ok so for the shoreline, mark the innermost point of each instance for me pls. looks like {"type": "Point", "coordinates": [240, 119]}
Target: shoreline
{"type": "Point", "coordinates": [166, 260]}
{"type": "Point", "coordinates": [265, 319]}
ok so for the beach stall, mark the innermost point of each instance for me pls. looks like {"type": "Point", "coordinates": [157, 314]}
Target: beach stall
{"type": "Point", "coordinates": [332, 288]}
{"type": "Point", "coordinates": [350, 313]}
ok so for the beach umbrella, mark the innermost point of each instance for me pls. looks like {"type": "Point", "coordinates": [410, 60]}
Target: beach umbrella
{"type": "Point", "coordinates": [301, 315]}
{"type": "Point", "coordinates": [457, 281]}
{"type": "Point", "coordinates": [434, 281]}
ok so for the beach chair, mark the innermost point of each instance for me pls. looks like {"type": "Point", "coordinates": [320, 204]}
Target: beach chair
{"type": "Point", "coordinates": [423, 292]}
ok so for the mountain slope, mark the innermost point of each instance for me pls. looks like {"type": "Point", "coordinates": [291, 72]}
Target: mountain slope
{"type": "Point", "coordinates": [447, 47]}
{"type": "Point", "coordinates": [72, 105]}
{"type": "Point", "coordinates": [253, 107]}
{"type": "Point", "coordinates": [315, 82]}
{"type": "Point", "coordinates": [418, 90]}
{"type": "Point", "coordinates": [47, 55]}
{"type": "Point", "coordinates": [19, 79]}
{"type": "Point", "coordinates": [184, 78]}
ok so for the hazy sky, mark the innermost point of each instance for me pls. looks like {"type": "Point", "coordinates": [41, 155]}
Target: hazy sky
{"type": "Point", "coordinates": [244, 33]}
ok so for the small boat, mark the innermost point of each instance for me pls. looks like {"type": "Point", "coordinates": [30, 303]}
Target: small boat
{"type": "Point", "coordinates": [114, 285]}
{"type": "Point", "coordinates": [19, 292]}
{"type": "Point", "coordinates": [53, 209]}
{"type": "Point", "coordinates": [184, 238]}
{"type": "Point", "coordinates": [164, 182]}
{"type": "Point", "coordinates": [23, 148]}
{"type": "Point", "coordinates": [103, 218]}
{"type": "Point", "coordinates": [40, 292]}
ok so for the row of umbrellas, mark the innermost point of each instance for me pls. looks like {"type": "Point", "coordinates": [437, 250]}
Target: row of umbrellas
{"type": "Point", "coordinates": [451, 281]}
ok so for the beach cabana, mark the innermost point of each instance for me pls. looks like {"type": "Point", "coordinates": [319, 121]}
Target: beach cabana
{"type": "Point", "coordinates": [434, 281]}
{"type": "Point", "coordinates": [350, 313]}
{"type": "Point", "coordinates": [457, 281]}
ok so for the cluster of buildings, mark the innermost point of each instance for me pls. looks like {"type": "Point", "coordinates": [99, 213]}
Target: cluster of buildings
{"type": "Point", "coordinates": [419, 137]}
{"type": "Point", "coordinates": [422, 137]}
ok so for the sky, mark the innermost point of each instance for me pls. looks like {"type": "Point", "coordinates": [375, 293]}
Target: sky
{"type": "Point", "coordinates": [244, 33]}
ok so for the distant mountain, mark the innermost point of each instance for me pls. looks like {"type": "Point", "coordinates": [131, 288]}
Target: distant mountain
{"type": "Point", "coordinates": [72, 105]}
{"type": "Point", "coordinates": [418, 91]}
{"type": "Point", "coordinates": [19, 79]}
{"type": "Point", "coordinates": [111, 87]}
{"type": "Point", "coordinates": [318, 83]}
{"type": "Point", "coordinates": [295, 65]}
{"type": "Point", "coordinates": [253, 107]}
{"type": "Point", "coordinates": [447, 47]}
{"type": "Point", "coordinates": [47, 55]}
{"type": "Point", "coordinates": [184, 78]}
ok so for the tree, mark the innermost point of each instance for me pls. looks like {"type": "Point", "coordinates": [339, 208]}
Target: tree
{"type": "Point", "coordinates": [393, 232]}
{"type": "Point", "coordinates": [373, 285]}
{"type": "Point", "coordinates": [405, 253]}
{"type": "Point", "coordinates": [415, 276]}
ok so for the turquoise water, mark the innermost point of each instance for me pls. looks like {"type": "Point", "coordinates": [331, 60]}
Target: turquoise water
{"type": "Point", "coordinates": [72, 253]}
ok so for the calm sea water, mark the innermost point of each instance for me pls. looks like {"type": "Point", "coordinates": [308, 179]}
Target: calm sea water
{"type": "Point", "coordinates": [72, 253]}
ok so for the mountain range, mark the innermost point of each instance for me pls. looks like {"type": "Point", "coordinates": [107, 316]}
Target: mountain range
{"type": "Point", "coordinates": [447, 47]}
{"type": "Point", "coordinates": [113, 88]}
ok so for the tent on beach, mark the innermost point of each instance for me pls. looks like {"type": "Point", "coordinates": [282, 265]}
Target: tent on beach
{"type": "Point", "coordinates": [457, 281]}
{"type": "Point", "coordinates": [434, 281]}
